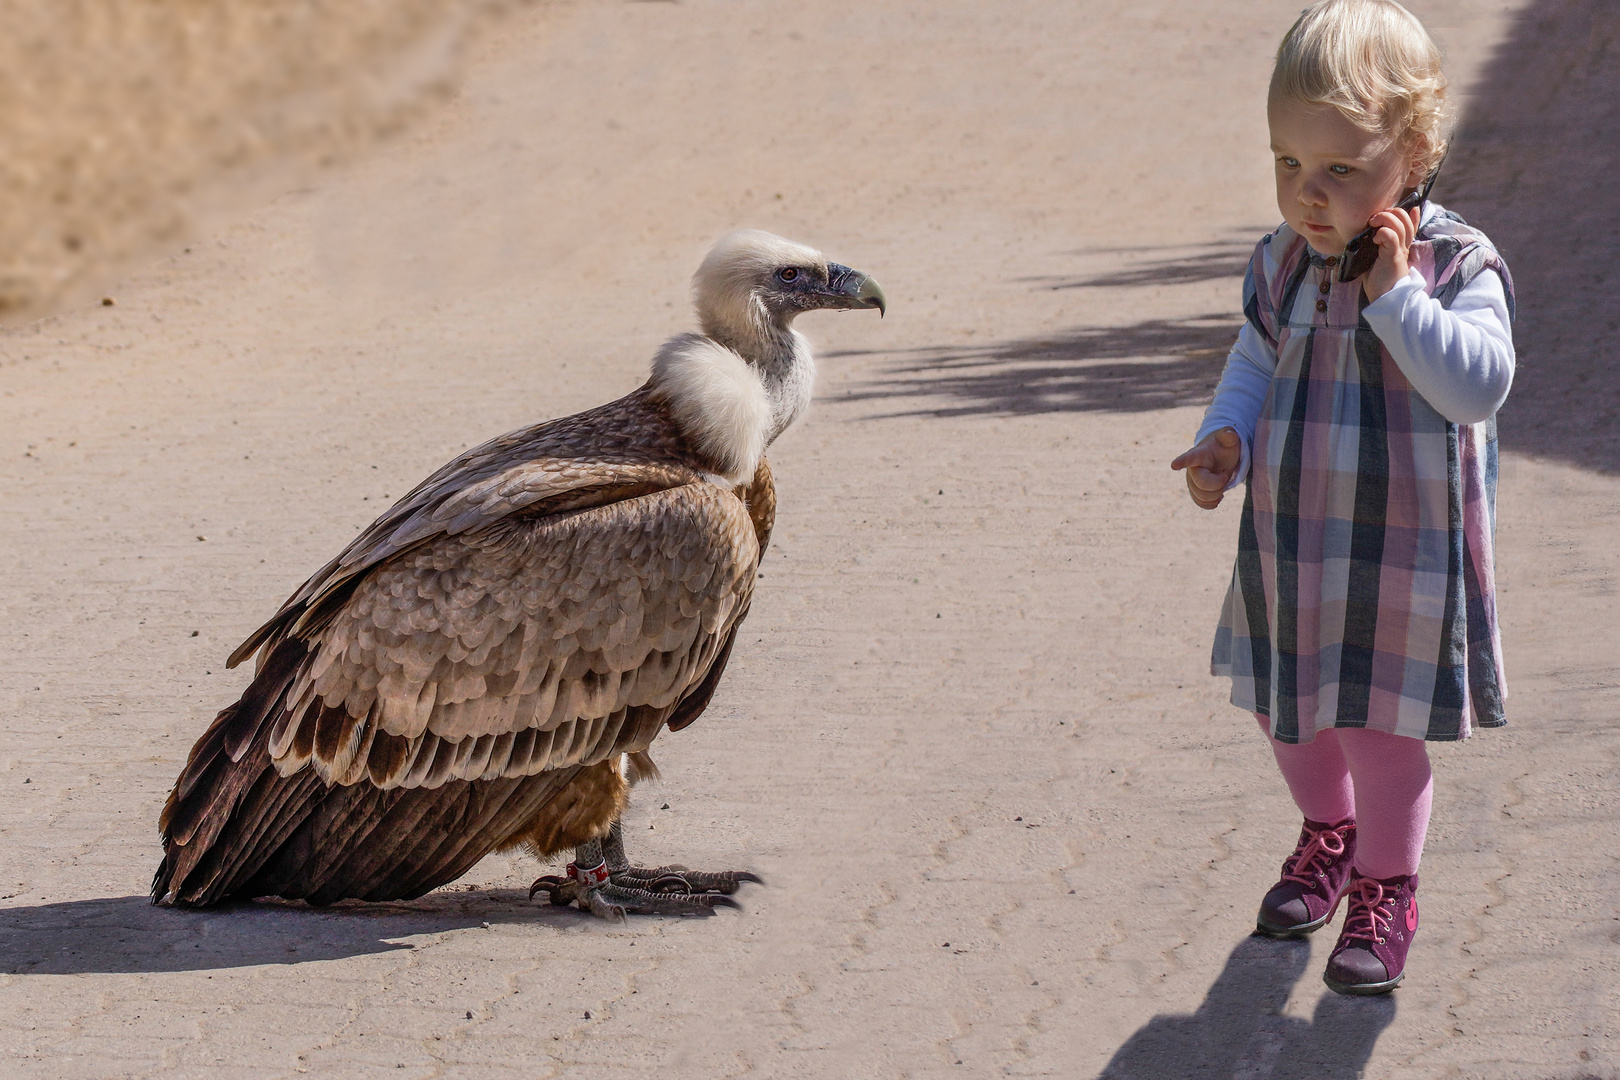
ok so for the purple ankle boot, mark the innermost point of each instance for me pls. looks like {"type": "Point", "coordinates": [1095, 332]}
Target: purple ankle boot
{"type": "Point", "coordinates": [1314, 877]}
{"type": "Point", "coordinates": [1370, 957]}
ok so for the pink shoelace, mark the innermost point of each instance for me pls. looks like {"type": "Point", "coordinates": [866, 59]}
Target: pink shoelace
{"type": "Point", "coordinates": [1372, 912]}
{"type": "Point", "coordinates": [1316, 852]}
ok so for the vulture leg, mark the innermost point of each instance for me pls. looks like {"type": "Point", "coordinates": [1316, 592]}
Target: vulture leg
{"type": "Point", "coordinates": [615, 888]}
{"type": "Point", "coordinates": [674, 878]}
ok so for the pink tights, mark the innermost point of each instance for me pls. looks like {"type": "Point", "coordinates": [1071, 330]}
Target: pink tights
{"type": "Point", "coordinates": [1381, 780]}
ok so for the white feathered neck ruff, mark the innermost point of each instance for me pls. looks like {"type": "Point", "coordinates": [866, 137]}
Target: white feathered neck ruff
{"type": "Point", "coordinates": [718, 400]}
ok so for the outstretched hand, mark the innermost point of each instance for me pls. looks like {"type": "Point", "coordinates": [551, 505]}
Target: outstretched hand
{"type": "Point", "coordinates": [1210, 466]}
{"type": "Point", "coordinates": [1397, 229]}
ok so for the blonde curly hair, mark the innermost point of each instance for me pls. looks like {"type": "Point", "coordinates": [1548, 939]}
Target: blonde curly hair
{"type": "Point", "coordinates": [1374, 62]}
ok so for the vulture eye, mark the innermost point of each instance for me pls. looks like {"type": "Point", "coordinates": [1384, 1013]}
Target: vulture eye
{"type": "Point", "coordinates": [788, 274]}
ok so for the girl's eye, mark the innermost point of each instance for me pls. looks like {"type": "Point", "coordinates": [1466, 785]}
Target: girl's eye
{"type": "Point", "coordinates": [1339, 170]}
{"type": "Point", "coordinates": [788, 273]}
{"type": "Point", "coordinates": [1292, 163]}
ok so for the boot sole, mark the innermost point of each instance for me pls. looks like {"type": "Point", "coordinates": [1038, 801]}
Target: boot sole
{"type": "Point", "coordinates": [1364, 989]}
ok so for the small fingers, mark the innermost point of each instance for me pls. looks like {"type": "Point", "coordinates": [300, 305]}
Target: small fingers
{"type": "Point", "coordinates": [1210, 451]}
{"type": "Point", "coordinates": [1400, 224]}
{"type": "Point", "coordinates": [1198, 455]}
{"type": "Point", "coordinates": [1206, 497]}
{"type": "Point", "coordinates": [1387, 219]}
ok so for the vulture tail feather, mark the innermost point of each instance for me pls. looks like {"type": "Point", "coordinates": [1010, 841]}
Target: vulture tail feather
{"type": "Point", "coordinates": [275, 805]}
{"type": "Point", "coordinates": [267, 807]}
{"type": "Point", "coordinates": [299, 838]}
{"type": "Point", "coordinates": [413, 822]}
{"type": "Point", "coordinates": [213, 780]}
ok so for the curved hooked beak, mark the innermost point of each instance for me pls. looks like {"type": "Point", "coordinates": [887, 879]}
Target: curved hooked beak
{"type": "Point", "coordinates": [848, 288]}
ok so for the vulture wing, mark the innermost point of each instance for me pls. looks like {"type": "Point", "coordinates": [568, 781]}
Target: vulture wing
{"type": "Point", "coordinates": [550, 468]}
{"type": "Point", "coordinates": [426, 694]}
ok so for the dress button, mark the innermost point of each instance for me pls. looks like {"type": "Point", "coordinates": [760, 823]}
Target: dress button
{"type": "Point", "coordinates": [1321, 305]}
{"type": "Point", "coordinates": [1324, 287]}
{"type": "Point", "coordinates": [1333, 260]}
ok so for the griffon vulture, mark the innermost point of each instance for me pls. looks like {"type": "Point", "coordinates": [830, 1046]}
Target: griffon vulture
{"type": "Point", "coordinates": [485, 666]}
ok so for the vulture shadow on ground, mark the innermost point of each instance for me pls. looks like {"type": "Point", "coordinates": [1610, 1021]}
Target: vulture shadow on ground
{"type": "Point", "coordinates": [1238, 1030]}
{"type": "Point", "coordinates": [126, 934]}
{"type": "Point", "coordinates": [1537, 166]}
{"type": "Point", "coordinates": [1157, 364]}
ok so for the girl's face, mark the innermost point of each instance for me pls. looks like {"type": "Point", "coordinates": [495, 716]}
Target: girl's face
{"type": "Point", "coordinates": [1332, 176]}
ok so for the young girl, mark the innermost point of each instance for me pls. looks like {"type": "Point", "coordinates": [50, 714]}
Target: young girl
{"type": "Point", "coordinates": [1361, 618]}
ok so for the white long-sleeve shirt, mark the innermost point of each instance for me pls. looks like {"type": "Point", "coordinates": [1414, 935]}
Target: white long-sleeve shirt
{"type": "Point", "coordinates": [1459, 359]}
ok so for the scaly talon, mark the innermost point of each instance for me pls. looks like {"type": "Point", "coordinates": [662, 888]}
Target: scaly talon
{"type": "Point", "coordinates": [644, 902]}
{"type": "Point", "coordinates": [610, 888]}
{"type": "Point", "coordinates": [687, 881]}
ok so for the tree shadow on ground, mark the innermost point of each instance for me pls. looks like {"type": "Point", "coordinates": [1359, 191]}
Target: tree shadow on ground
{"type": "Point", "coordinates": [1184, 266]}
{"type": "Point", "coordinates": [1238, 1031]}
{"type": "Point", "coordinates": [125, 934]}
{"type": "Point", "coordinates": [1537, 166]}
{"type": "Point", "coordinates": [1157, 364]}
{"type": "Point", "coordinates": [1154, 364]}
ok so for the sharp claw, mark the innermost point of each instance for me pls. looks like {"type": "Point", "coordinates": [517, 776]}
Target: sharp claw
{"type": "Point", "coordinates": [669, 883]}
{"type": "Point", "coordinates": [725, 882]}
{"type": "Point", "coordinates": [729, 887]}
{"type": "Point", "coordinates": [602, 908]}
{"type": "Point", "coordinates": [556, 889]}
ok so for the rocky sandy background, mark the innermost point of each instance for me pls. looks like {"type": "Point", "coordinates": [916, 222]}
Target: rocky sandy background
{"type": "Point", "coordinates": [1009, 824]}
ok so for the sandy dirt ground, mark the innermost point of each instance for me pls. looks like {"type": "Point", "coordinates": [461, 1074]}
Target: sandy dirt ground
{"type": "Point", "coordinates": [1009, 824]}
{"type": "Point", "coordinates": [130, 128]}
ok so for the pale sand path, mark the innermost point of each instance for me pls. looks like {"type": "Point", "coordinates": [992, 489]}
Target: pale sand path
{"type": "Point", "coordinates": [985, 603]}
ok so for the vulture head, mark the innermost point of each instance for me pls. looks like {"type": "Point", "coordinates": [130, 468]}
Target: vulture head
{"type": "Point", "coordinates": [753, 284]}
{"type": "Point", "coordinates": [749, 375]}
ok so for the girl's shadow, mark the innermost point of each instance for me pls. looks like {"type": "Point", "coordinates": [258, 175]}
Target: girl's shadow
{"type": "Point", "coordinates": [1239, 1033]}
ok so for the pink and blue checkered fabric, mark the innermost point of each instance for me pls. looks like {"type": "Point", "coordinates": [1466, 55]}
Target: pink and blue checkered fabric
{"type": "Point", "coordinates": [1364, 593]}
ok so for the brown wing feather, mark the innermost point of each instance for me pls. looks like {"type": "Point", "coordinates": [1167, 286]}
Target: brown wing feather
{"type": "Point", "coordinates": [598, 454]}
{"type": "Point", "coordinates": [561, 624]}
{"type": "Point", "coordinates": [759, 494]}
{"type": "Point", "coordinates": [760, 498]}
{"type": "Point", "coordinates": [338, 775]}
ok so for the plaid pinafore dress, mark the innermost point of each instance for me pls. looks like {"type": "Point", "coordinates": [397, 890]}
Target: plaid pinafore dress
{"type": "Point", "coordinates": [1364, 593]}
